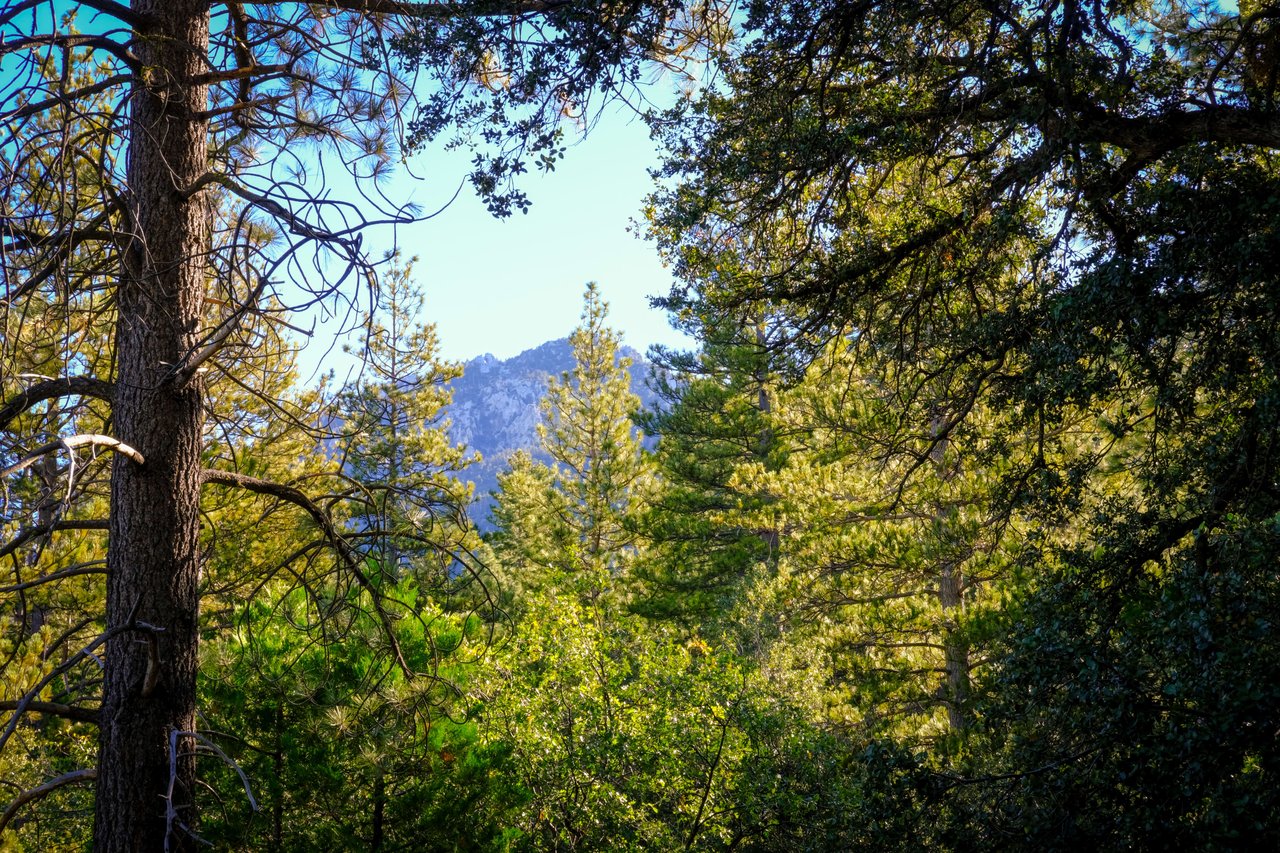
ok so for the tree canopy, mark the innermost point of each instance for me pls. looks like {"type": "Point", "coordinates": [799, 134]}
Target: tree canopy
{"type": "Point", "coordinates": [961, 526]}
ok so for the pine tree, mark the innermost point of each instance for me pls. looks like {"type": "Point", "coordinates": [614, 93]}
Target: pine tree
{"type": "Point", "coordinates": [320, 704]}
{"type": "Point", "coordinates": [395, 439]}
{"type": "Point", "coordinates": [572, 520]}
{"type": "Point", "coordinates": [715, 419]}
{"type": "Point", "coordinates": [889, 542]}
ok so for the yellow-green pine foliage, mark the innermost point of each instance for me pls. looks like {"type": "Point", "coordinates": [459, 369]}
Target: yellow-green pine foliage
{"type": "Point", "coordinates": [569, 520]}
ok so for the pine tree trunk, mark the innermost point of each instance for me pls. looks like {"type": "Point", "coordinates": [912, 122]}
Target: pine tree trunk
{"type": "Point", "coordinates": [951, 597]}
{"type": "Point", "coordinates": [153, 557]}
{"type": "Point", "coordinates": [957, 651]}
{"type": "Point", "coordinates": [277, 783]}
{"type": "Point", "coordinates": [379, 809]}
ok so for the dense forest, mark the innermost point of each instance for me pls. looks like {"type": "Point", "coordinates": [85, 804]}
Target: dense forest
{"type": "Point", "coordinates": [959, 528]}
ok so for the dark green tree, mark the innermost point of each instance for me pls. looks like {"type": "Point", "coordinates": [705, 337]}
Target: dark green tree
{"type": "Point", "coordinates": [1118, 160]}
{"type": "Point", "coordinates": [713, 418]}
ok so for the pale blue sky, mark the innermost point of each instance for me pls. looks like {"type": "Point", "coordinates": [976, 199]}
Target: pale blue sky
{"type": "Point", "coordinates": [504, 286]}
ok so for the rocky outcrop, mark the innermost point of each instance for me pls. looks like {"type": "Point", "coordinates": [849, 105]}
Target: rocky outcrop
{"type": "Point", "coordinates": [495, 408]}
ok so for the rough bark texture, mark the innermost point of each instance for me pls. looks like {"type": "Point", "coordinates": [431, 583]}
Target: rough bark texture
{"type": "Point", "coordinates": [951, 596]}
{"type": "Point", "coordinates": [154, 556]}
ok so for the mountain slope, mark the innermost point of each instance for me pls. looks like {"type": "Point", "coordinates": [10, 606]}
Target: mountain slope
{"type": "Point", "coordinates": [495, 408]}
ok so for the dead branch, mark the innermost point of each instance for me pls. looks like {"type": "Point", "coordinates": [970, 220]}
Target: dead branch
{"type": "Point", "coordinates": [71, 443]}
{"type": "Point", "coordinates": [39, 792]}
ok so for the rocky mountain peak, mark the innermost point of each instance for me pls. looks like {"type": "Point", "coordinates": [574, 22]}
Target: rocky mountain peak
{"type": "Point", "coordinates": [495, 407]}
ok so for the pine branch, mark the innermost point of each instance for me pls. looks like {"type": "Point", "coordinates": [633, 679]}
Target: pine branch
{"type": "Point", "coordinates": [87, 774]}
{"type": "Point", "coordinates": [71, 386]}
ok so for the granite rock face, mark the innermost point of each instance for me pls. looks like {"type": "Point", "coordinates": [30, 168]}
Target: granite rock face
{"type": "Point", "coordinates": [495, 409]}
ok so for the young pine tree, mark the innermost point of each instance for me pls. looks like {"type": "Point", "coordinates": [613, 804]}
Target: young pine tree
{"type": "Point", "coordinates": [568, 521]}
{"type": "Point", "coordinates": [396, 443]}
{"type": "Point", "coordinates": [715, 417]}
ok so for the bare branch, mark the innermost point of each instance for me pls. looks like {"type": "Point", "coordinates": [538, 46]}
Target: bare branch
{"type": "Point", "coordinates": [239, 73]}
{"type": "Point", "coordinates": [17, 9]}
{"type": "Point", "coordinates": [31, 533]}
{"type": "Point", "coordinates": [184, 372]}
{"type": "Point", "coordinates": [114, 48]}
{"type": "Point", "coordinates": [27, 110]}
{"type": "Point", "coordinates": [88, 774]}
{"type": "Point", "coordinates": [71, 386]}
{"type": "Point", "coordinates": [121, 12]}
{"type": "Point", "coordinates": [450, 10]}
{"type": "Point", "coordinates": [71, 443]}
{"type": "Point", "coordinates": [92, 567]}
{"type": "Point", "coordinates": [55, 709]}
{"type": "Point", "coordinates": [348, 555]}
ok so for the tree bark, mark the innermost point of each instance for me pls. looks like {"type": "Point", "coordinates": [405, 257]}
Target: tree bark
{"type": "Point", "coordinates": [950, 594]}
{"type": "Point", "coordinates": [379, 809]}
{"type": "Point", "coordinates": [153, 556]}
{"type": "Point", "coordinates": [957, 651]}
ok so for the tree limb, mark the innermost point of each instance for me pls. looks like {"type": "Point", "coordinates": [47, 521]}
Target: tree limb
{"type": "Point", "coordinates": [28, 110]}
{"type": "Point", "coordinates": [336, 540]}
{"type": "Point", "coordinates": [70, 386]}
{"type": "Point", "coordinates": [39, 792]}
{"type": "Point", "coordinates": [21, 706]}
{"type": "Point", "coordinates": [119, 51]}
{"type": "Point", "coordinates": [70, 443]}
{"type": "Point", "coordinates": [1164, 132]}
{"type": "Point", "coordinates": [450, 9]}
{"type": "Point", "coordinates": [66, 242]}
{"type": "Point", "coordinates": [92, 567]}
{"type": "Point", "coordinates": [30, 533]}
{"type": "Point", "coordinates": [120, 11]}
{"type": "Point", "coordinates": [54, 709]}
{"type": "Point", "coordinates": [17, 9]}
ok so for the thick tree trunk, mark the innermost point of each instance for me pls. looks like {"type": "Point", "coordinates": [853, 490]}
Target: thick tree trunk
{"type": "Point", "coordinates": [154, 556]}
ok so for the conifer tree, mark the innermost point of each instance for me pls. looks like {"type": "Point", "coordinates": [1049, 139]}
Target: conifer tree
{"type": "Point", "coordinates": [891, 551]}
{"type": "Point", "coordinates": [571, 520]}
{"type": "Point", "coordinates": [339, 719]}
{"type": "Point", "coordinates": [715, 418]}
{"type": "Point", "coordinates": [395, 441]}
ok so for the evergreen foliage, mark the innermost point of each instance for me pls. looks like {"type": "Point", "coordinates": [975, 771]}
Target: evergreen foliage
{"type": "Point", "coordinates": [395, 444]}
{"type": "Point", "coordinates": [961, 526]}
{"type": "Point", "coordinates": [714, 419]}
{"type": "Point", "coordinates": [569, 520]}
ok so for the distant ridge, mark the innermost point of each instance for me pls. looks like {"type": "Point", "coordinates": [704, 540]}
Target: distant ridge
{"type": "Point", "coordinates": [495, 408]}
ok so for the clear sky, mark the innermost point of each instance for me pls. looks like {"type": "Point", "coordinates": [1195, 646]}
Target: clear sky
{"type": "Point", "coordinates": [504, 286]}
